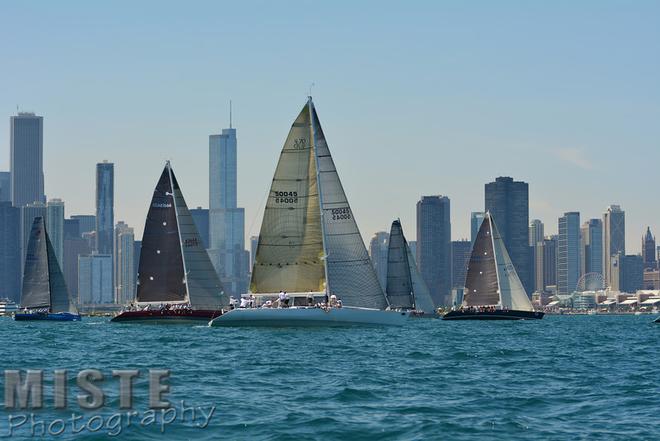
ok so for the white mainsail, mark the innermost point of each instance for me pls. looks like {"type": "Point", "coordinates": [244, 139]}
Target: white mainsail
{"type": "Point", "coordinates": [309, 240]}
{"type": "Point", "coordinates": [491, 277]}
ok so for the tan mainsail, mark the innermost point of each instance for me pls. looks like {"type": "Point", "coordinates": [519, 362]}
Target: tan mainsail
{"type": "Point", "coordinates": [290, 250]}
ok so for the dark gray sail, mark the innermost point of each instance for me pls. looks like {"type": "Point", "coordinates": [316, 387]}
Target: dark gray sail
{"type": "Point", "coordinates": [481, 285]}
{"type": "Point", "coordinates": [160, 272]}
{"type": "Point", "coordinates": [399, 287]}
{"type": "Point", "coordinates": [43, 281]}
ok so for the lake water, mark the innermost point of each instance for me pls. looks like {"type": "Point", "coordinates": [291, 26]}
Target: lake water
{"type": "Point", "coordinates": [564, 377]}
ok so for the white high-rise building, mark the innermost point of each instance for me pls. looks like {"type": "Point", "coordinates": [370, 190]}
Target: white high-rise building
{"type": "Point", "coordinates": [124, 261]}
{"type": "Point", "coordinates": [55, 227]}
{"type": "Point", "coordinates": [95, 279]}
{"type": "Point", "coordinates": [226, 220]}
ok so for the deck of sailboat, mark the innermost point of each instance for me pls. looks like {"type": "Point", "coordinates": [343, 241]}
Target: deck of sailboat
{"type": "Point", "coordinates": [310, 317]}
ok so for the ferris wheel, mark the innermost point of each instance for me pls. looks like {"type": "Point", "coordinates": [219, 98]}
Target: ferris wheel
{"type": "Point", "coordinates": [591, 282]}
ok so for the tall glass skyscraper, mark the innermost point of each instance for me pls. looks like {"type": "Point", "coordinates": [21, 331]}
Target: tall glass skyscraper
{"type": "Point", "coordinates": [434, 246]}
{"type": "Point", "coordinates": [105, 202]}
{"type": "Point", "coordinates": [592, 246]}
{"type": "Point", "coordinates": [55, 227]}
{"type": "Point", "coordinates": [508, 202]}
{"type": "Point", "coordinates": [27, 159]}
{"type": "Point", "coordinates": [568, 253]}
{"type": "Point", "coordinates": [5, 186]}
{"type": "Point", "coordinates": [226, 220]}
{"type": "Point", "coordinates": [10, 251]}
{"type": "Point", "coordinates": [614, 238]}
{"type": "Point", "coordinates": [124, 264]}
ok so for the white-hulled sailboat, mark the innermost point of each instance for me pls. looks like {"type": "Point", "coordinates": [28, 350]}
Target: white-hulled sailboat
{"type": "Point", "coordinates": [493, 290]}
{"type": "Point", "coordinates": [405, 289]}
{"type": "Point", "coordinates": [310, 246]}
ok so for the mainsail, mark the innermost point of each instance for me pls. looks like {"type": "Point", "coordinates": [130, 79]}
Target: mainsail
{"type": "Point", "coordinates": [405, 286]}
{"type": "Point", "coordinates": [491, 277]}
{"type": "Point", "coordinates": [309, 240]}
{"type": "Point", "coordinates": [43, 281]}
{"type": "Point", "coordinates": [174, 266]}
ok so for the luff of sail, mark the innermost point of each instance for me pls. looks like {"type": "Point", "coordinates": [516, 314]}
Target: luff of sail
{"type": "Point", "coordinates": [491, 277]}
{"type": "Point", "coordinates": [43, 281]}
{"type": "Point", "coordinates": [290, 250]}
{"type": "Point", "coordinates": [350, 273]}
{"type": "Point", "coordinates": [174, 266]}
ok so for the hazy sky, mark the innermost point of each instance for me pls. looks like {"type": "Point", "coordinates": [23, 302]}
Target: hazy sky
{"type": "Point", "coordinates": [415, 98]}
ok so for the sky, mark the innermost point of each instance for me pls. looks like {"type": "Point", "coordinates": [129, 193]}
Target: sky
{"type": "Point", "coordinates": [416, 98]}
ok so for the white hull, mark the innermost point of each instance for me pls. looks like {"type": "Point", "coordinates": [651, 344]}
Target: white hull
{"type": "Point", "coordinates": [345, 316]}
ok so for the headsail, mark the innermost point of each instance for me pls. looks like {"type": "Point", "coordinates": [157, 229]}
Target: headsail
{"type": "Point", "coordinates": [290, 250]}
{"type": "Point", "coordinates": [350, 273]}
{"type": "Point", "coordinates": [399, 287]}
{"type": "Point", "coordinates": [174, 266]}
{"type": "Point", "coordinates": [423, 299]}
{"type": "Point", "coordinates": [491, 277]}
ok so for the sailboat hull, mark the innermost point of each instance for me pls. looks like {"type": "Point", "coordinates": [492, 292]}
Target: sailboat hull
{"type": "Point", "coordinates": [497, 314]}
{"type": "Point", "coordinates": [167, 316]}
{"type": "Point", "coordinates": [52, 317]}
{"type": "Point", "coordinates": [310, 317]}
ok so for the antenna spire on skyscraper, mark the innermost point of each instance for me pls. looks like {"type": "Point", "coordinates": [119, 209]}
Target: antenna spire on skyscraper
{"type": "Point", "coordinates": [230, 114]}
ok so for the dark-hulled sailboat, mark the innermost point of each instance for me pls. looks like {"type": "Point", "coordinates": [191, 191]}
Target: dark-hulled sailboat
{"type": "Point", "coordinates": [176, 280]}
{"type": "Point", "coordinates": [310, 245]}
{"type": "Point", "coordinates": [405, 289]}
{"type": "Point", "coordinates": [493, 290]}
{"type": "Point", "coordinates": [44, 295]}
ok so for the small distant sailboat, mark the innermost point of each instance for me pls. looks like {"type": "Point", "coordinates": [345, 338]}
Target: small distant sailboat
{"type": "Point", "coordinates": [44, 295]}
{"type": "Point", "coordinates": [406, 290]}
{"type": "Point", "coordinates": [176, 280]}
{"type": "Point", "coordinates": [310, 246]}
{"type": "Point", "coordinates": [493, 289]}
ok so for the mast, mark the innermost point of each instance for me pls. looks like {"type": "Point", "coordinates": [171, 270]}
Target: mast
{"type": "Point", "coordinates": [178, 230]}
{"type": "Point", "coordinates": [312, 140]}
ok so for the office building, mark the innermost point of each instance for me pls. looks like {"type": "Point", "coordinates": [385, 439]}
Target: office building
{"type": "Point", "coordinates": [536, 236]}
{"type": "Point", "coordinates": [226, 220]}
{"type": "Point", "coordinates": [460, 257]}
{"type": "Point", "coordinates": [434, 246]}
{"type": "Point", "coordinates": [568, 253]}
{"type": "Point", "coordinates": [27, 159]}
{"type": "Point", "coordinates": [5, 186]}
{"type": "Point", "coordinates": [10, 252]}
{"type": "Point", "coordinates": [476, 218]}
{"type": "Point", "coordinates": [508, 203]}
{"type": "Point", "coordinates": [55, 227]}
{"type": "Point", "coordinates": [105, 202]}
{"type": "Point", "coordinates": [549, 262]}
{"type": "Point", "coordinates": [201, 218]}
{"type": "Point", "coordinates": [627, 272]}
{"type": "Point", "coordinates": [73, 248]}
{"type": "Point", "coordinates": [95, 279]}
{"type": "Point", "coordinates": [86, 223]}
{"type": "Point", "coordinates": [124, 263]}
{"type": "Point", "coordinates": [614, 238]}
{"type": "Point", "coordinates": [648, 251]}
{"type": "Point", "coordinates": [592, 247]}
{"type": "Point", "coordinates": [378, 249]}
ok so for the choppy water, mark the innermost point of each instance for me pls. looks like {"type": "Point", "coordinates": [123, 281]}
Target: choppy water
{"type": "Point", "coordinates": [582, 377]}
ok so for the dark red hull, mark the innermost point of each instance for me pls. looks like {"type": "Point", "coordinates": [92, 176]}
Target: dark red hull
{"type": "Point", "coordinates": [168, 316]}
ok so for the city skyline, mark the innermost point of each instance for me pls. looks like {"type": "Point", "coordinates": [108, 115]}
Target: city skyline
{"type": "Point", "coordinates": [564, 132]}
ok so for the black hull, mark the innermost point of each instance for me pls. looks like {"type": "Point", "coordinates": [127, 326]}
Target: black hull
{"type": "Point", "coordinates": [493, 315]}
{"type": "Point", "coordinates": [167, 316]}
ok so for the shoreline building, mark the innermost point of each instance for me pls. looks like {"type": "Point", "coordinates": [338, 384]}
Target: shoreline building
{"type": "Point", "coordinates": [536, 236]}
{"type": "Point", "coordinates": [378, 249]}
{"type": "Point", "coordinates": [568, 253]}
{"type": "Point", "coordinates": [592, 247]}
{"type": "Point", "coordinates": [648, 251]}
{"type": "Point", "coordinates": [614, 238]}
{"type": "Point", "coordinates": [105, 201]}
{"type": "Point", "coordinates": [434, 246]}
{"type": "Point", "coordinates": [26, 142]}
{"type": "Point", "coordinates": [95, 279]}
{"type": "Point", "coordinates": [124, 264]}
{"type": "Point", "coordinates": [226, 220]}
{"type": "Point", "coordinates": [508, 202]}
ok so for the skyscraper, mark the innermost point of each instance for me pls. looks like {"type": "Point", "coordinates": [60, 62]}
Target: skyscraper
{"type": "Point", "coordinates": [614, 237]}
{"type": "Point", "coordinates": [536, 236]}
{"type": "Point", "coordinates": [55, 227]}
{"type": "Point", "coordinates": [568, 253]}
{"type": "Point", "coordinates": [124, 264]}
{"type": "Point", "coordinates": [460, 257]}
{"type": "Point", "coordinates": [648, 250]}
{"type": "Point", "coordinates": [476, 218]}
{"type": "Point", "coordinates": [549, 262]}
{"type": "Point", "coordinates": [95, 279]}
{"type": "Point", "coordinates": [105, 202]}
{"type": "Point", "coordinates": [86, 222]}
{"type": "Point", "coordinates": [201, 218]}
{"type": "Point", "coordinates": [5, 186]}
{"type": "Point", "coordinates": [627, 272]}
{"type": "Point", "coordinates": [592, 246]}
{"type": "Point", "coordinates": [10, 251]}
{"type": "Point", "coordinates": [536, 233]}
{"type": "Point", "coordinates": [27, 159]}
{"type": "Point", "coordinates": [73, 248]}
{"type": "Point", "coordinates": [378, 249]}
{"type": "Point", "coordinates": [508, 202]}
{"type": "Point", "coordinates": [434, 246]}
{"type": "Point", "coordinates": [226, 220]}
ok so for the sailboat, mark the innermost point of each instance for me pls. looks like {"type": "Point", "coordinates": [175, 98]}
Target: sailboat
{"type": "Point", "coordinates": [405, 289]}
{"type": "Point", "coordinates": [176, 280]}
{"type": "Point", "coordinates": [493, 290]}
{"type": "Point", "coordinates": [309, 245]}
{"type": "Point", "coordinates": [44, 295]}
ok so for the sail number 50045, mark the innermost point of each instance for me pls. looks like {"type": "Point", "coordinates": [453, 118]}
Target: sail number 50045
{"type": "Point", "coordinates": [341, 213]}
{"type": "Point", "coordinates": [286, 197]}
